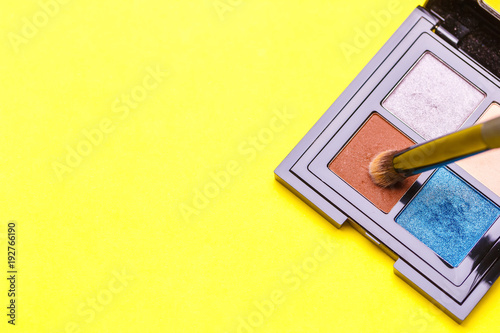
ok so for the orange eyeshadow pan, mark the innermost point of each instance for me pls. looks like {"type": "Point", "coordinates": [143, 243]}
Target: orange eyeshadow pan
{"type": "Point", "coordinates": [351, 164]}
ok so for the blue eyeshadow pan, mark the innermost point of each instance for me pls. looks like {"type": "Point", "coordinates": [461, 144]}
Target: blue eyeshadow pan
{"type": "Point", "coordinates": [448, 216]}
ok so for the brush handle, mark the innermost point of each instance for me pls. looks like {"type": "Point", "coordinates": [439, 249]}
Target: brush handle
{"type": "Point", "coordinates": [491, 133]}
{"type": "Point", "coordinates": [448, 148]}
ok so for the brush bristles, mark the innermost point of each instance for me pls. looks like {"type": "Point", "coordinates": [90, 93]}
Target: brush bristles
{"type": "Point", "coordinates": [382, 169]}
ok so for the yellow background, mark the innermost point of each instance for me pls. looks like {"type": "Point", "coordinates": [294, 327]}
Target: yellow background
{"type": "Point", "coordinates": [248, 258]}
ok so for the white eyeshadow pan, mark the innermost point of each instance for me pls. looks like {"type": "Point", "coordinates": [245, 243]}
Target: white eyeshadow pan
{"type": "Point", "coordinates": [433, 99]}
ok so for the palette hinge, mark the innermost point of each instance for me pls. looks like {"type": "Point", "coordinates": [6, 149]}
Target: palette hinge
{"type": "Point", "coordinates": [446, 35]}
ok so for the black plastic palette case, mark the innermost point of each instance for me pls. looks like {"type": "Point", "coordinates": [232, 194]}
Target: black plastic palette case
{"type": "Point", "coordinates": [438, 73]}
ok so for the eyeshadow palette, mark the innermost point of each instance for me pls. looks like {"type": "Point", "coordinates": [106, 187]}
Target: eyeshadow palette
{"type": "Point", "coordinates": [431, 78]}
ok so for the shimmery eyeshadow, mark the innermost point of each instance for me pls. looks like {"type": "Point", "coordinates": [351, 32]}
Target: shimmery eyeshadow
{"type": "Point", "coordinates": [351, 164]}
{"type": "Point", "coordinates": [485, 167]}
{"type": "Point", "coordinates": [433, 99]}
{"type": "Point", "coordinates": [448, 216]}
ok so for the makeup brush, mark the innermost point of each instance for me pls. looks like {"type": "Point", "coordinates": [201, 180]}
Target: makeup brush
{"type": "Point", "coordinates": [390, 167]}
